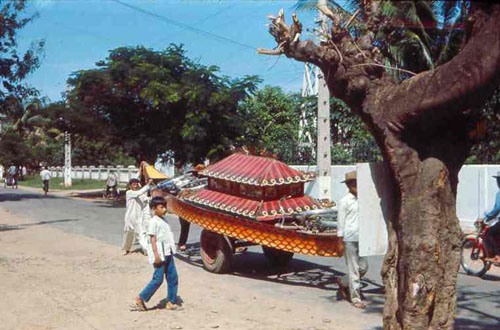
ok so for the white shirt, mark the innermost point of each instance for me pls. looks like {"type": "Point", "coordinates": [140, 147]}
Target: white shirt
{"type": "Point", "coordinates": [136, 202]}
{"type": "Point", "coordinates": [348, 224]}
{"type": "Point", "coordinates": [45, 174]}
{"type": "Point", "coordinates": [146, 216]}
{"type": "Point", "coordinates": [111, 181]}
{"type": "Point", "coordinates": [160, 229]}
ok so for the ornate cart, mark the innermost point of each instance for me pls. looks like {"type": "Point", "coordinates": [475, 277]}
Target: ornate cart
{"type": "Point", "coordinates": [250, 200]}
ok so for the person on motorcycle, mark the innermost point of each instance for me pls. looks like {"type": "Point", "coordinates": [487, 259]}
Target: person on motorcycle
{"type": "Point", "coordinates": [492, 219]}
{"type": "Point", "coordinates": [111, 184]}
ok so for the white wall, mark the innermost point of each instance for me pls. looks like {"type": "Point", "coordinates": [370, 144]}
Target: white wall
{"type": "Point", "coordinates": [475, 196]}
{"type": "Point", "coordinates": [124, 174]}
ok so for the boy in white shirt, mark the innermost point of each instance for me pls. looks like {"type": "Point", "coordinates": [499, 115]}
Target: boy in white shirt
{"type": "Point", "coordinates": [161, 250]}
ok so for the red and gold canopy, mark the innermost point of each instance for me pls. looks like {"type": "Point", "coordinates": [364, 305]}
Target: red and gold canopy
{"type": "Point", "coordinates": [259, 210]}
{"type": "Point", "coordinates": [255, 171]}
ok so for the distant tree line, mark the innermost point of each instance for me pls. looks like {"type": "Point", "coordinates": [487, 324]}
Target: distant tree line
{"type": "Point", "coordinates": [141, 104]}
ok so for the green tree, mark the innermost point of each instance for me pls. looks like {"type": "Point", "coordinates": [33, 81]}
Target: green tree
{"type": "Point", "coordinates": [153, 101]}
{"type": "Point", "coordinates": [14, 67]}
{"type": "Point", "coordinates": [17, 109]}
{"type": "Point", "coordinates": [90, 140]}
{"type": "Point", "coordinates": [270, 123]}
{"type": "Point", "coordinates": [421, 123]}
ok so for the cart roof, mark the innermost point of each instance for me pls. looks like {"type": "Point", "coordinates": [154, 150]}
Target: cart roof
{"type": "Point", "coordinates": [254, 170]}
{"type": "Point", "coordinates": [251, 208]}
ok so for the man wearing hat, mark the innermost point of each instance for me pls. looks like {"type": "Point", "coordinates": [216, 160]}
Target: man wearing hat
{"type": "Point", "coordinates": [348, 229]}
{"type": "Point", "coordinates": [136, 200]}
{"type": "Point", "coordinates": [494, 223]}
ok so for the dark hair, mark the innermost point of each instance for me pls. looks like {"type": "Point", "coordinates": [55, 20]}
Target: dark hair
{"type": "Point", "coordinates": [155, 201]}
{"type": "Point", "coordinates": [133, 180]}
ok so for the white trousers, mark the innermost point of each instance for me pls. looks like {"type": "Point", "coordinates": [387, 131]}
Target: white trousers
{"type": "Point", "coordinates": [356, 268]}
{"type": "Point", "coordinates": [134, 236]}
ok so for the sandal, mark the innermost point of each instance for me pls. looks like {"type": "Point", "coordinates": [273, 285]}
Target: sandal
{"type": "Point", "coordinates": [360, 305]}
{"type": "Point", "coordinates": [140, 305]}
{"type": "Point", "coordinates": [182, 248]}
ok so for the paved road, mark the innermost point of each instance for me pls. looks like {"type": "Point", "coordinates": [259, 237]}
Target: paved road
{"type": "Point", "coordinates": [309, 279]}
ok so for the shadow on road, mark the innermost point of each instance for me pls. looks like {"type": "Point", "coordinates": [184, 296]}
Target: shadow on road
{"type": "Point", "coordinates": [298, 272]}
{"type": "Point", "coordinates": [109, 203]}
{"type": "Point", "coordinates": [26, 225]}
{"type": "Point", "coordinates": [6, 197]}
{"type": "Point", "coordinates": [468, 324]}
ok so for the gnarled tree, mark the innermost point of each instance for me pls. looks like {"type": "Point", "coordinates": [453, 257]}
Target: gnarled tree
{"type": "Point", "coordinates": [421, 125]}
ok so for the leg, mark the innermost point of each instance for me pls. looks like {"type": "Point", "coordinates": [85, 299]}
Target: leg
{"type": "Point", "coordinates": [184, 233]}
{"type": "Point", "coordinates": [363, 267]}
{"type": "Point", "coordinates": [128, 238]}
{"type": "Point", "coordinates": [140, 236]}
{"type": "Point", "coordinates": [172, 279]}
{"type": "Point", "coordinates": [490, 239]}
{"type": "Point", "coordinates": [154, 284]}
{"type": "Point", "coordinates": [352, 260]}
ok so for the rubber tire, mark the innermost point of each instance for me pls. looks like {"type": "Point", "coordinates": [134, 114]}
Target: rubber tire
{"type": "Point", "coordinates": [216, 253]}
{"type": "Point", "coordinates": [277, 257]}
{"type": "Point", "coordinates": [485, 267]}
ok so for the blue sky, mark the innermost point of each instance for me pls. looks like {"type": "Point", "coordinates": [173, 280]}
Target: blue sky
{"type": "Point", "coordinates": [79, 33]}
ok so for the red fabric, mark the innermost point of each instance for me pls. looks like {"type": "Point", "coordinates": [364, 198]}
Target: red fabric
{"type": "Point", "coordinates": [254, 170]}
{"type": "Point", "coordinates": [250, 208]}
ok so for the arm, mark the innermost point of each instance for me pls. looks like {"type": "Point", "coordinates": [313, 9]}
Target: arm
{"type": "Point", "coordinates": [155, 251]}
{"type": "Point", "coordinates": [341, 219]}
{"type": "Point", "coordinates": [137, 193]}
{"type": "Point", "coordinates": [496, 209]}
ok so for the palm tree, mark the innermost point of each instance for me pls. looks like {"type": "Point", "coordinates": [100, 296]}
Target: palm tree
{"type": "Point", "coordinates": [22, 118]}
{"type": "Point", "coordinates": [414, 35]}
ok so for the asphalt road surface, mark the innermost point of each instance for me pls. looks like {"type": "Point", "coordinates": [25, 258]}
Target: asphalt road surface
{"type": "Point", "coordinates": [478, 298]}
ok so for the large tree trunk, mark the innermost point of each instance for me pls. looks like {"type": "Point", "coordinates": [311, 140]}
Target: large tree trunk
{"type": "Point", "coordinates": [420, 268]}
{"type": "Point", "coordinates": [421, 128]}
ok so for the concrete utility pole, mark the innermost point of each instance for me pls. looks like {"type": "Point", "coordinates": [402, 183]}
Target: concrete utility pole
{"type": "Point", "coordinates": [309, 88]}
{"type": "Point", "coordinates": [67, 159]}
{"type": "Point", "coordinates": [323, 154]}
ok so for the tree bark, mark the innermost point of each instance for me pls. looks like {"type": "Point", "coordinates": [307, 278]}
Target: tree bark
{"type": "Point", "coordinates": [421, 128]}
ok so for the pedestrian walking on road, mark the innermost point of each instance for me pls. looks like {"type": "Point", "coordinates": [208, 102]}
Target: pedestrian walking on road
{"type": "Point", "coordinates": [161, 251]}
{"type": "Point", "coordinates": [45, 175]}
{"type": "Point", "coordinates": [12, 176]}
{"type": "Point", "coordinates": [348, 229]}
{"type": "Point", "coordinates": [136, 200]}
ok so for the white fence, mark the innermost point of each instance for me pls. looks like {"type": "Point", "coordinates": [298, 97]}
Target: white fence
{"type": "Point", "coordinates": [124, 174]}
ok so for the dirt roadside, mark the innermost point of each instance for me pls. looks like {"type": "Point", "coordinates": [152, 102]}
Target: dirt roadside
{"type": "Point", "coordinates": [54, 280]}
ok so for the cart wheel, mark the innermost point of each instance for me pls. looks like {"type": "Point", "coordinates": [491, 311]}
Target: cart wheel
{"type": "Point", "coordinates": [215, 252]}
{"type": "Point", "coordinates": [277, 257]}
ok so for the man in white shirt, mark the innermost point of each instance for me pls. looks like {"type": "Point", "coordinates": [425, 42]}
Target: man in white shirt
{"type": "Point", "coordinates": [111, 183]}
{"type": "Point", "coordinates": [136, 201]}
{"type": "Point", "coordinates": [348, 229]}
{"type": "Point", "coordinates": [45, 174]}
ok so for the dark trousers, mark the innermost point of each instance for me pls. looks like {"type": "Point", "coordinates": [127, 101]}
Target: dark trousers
{"type": "Point", "coordinates": [492, 237]}
{"type": "Point", "coordinates": [46, 185]}
{"type": "Point", "coordinates": [184, 231]}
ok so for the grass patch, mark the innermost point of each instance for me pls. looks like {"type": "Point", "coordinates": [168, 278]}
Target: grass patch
{"type": "Point", "coordinates": [58, 183]}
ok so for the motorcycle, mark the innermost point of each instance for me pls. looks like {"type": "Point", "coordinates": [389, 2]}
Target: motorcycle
{"type": "Point", "coordinates": [111, 193]}
{"type": "Point", "coordinates": [475, 250]}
